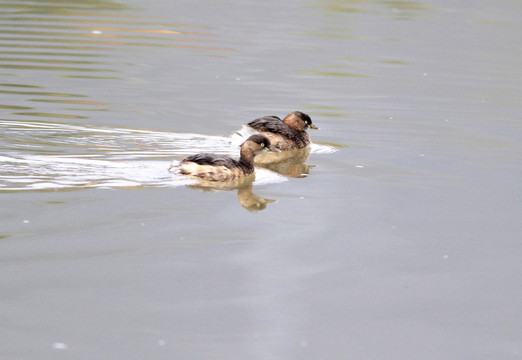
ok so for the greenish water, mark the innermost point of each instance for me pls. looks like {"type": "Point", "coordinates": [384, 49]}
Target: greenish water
{"type": "Point", "coordinates": [396, 237]}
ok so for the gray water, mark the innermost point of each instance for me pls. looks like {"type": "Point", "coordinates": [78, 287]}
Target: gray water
{"type": "Point", "coordinates": [396, 237]}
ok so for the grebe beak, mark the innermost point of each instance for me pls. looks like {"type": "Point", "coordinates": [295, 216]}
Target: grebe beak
{"type": "Point", "coordinates": [312, 126]}
{"type": "Point", "coordinates": [272, 148]}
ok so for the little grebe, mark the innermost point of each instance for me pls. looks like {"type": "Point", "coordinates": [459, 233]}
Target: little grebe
{"type": "Point", "coordinates": [214, 167]}
{"type": "Point", "coordinates": [287, 134]}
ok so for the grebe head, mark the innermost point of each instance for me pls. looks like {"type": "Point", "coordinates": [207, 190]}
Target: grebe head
{"type": "Point", "coordinates": [257, 143]}
{"type": "Point", "coordinates": [299, 121]}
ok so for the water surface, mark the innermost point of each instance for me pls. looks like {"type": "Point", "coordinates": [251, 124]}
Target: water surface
{"type": "Point", "coordinates": [396, 237]}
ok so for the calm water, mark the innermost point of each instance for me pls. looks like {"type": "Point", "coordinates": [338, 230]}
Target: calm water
{"type": "Point", "coordinates": [396, 237]}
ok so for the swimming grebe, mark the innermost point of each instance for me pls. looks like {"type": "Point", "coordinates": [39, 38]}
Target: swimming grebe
{"type": "Point", "coordinates": [287, 134]}
{"type": "Point", "coordinates": [214, 167]}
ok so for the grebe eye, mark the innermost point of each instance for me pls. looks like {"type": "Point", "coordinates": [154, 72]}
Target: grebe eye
{"type": "Point", "coordinates": [262, 144]}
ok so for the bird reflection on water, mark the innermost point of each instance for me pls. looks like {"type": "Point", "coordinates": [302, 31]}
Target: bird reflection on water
{"type": "Point", "coordinates": [286, 163]}
{"type": "Point", "coordinates": [244, 186]}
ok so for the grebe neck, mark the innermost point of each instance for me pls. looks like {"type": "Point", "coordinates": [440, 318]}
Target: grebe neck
{"type": "Point", "coordinates": [246, 160]}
